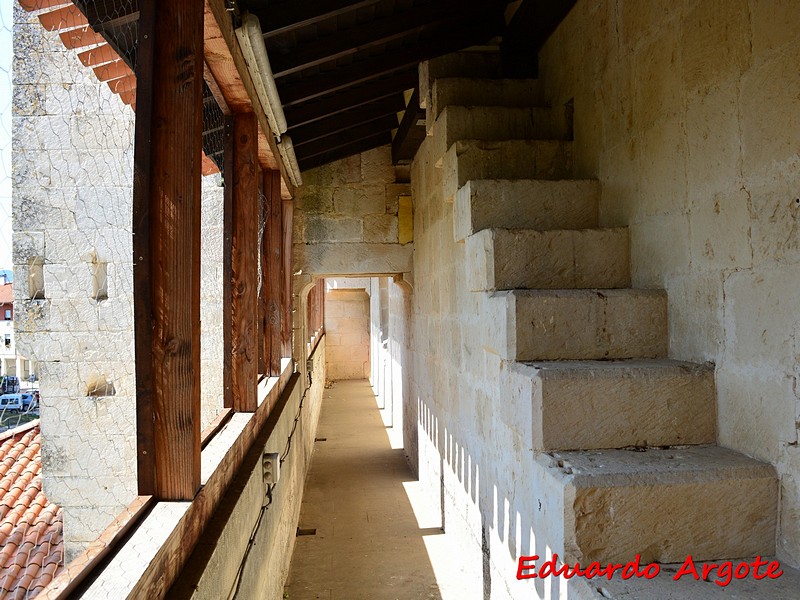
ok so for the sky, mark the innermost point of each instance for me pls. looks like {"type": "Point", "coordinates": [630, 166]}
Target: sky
{"type": "Point", "coordinates": [6, 27]}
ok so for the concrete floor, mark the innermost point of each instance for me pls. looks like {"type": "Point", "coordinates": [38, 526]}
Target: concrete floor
{"type": "Point", "coordinates": [369, 542]}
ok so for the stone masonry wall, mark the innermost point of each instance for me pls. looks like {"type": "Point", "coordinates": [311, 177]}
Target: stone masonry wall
{"type": "Point", "coordinates": [346, 219]}
{"type": "Point", "coordinates": [72, 172]}
{"type": "Point", "coordinates": [72, 190]}
{"type": "Point", "coordinates": [347, 334]}
{"type": "Point", "coordinates": [689, 114]}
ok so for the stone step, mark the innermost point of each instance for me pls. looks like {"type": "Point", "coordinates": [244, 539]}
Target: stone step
{"type": "Point", "coordinates": [474, 91]}
{"type": "Point", "coordinates": [588, 405]}
{"type": "Point", "coordinates": [507, 259]}
{"type": "Point", "coordinates": [664, 504]}
{"type": "Point", "coordinates": [665, 587]}
{"type": "Point", "coordinates": [466, 160]}
{"type": "Point", "coordinates": [484, 65]}
{"type": "Point", "coordinates": [579, 324]}
{"type": "Point", "coordinates": [491, 123]}
{"type": "Point", "coordinates": [525, 204]}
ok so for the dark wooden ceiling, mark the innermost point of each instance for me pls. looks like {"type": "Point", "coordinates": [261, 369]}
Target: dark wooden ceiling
{"type": "Point", "coordinates": [342, 67]}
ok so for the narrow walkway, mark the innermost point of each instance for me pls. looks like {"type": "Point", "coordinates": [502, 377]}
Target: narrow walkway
{"type": "Point", "coordinates": [368, 542]}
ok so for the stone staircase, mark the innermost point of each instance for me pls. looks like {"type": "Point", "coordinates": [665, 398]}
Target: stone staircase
{"type": "Point", "coordinates": [625, 434]}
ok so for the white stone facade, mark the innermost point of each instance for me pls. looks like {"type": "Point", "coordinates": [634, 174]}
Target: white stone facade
{"type": "Point", "coordinates": [72, 233]}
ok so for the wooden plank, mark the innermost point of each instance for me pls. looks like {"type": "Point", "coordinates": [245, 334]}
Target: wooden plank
{"type": "Point", "coordinates": [74, 573]}
{"type": "Point", "coordinates": [166, 234]}
{"type": "Point", "coordinates": [469, 33]}
{"type": "Point", "coordinates": [348, 149]}
{"type": "Point", "coordinates": [339, 138]}
{"type": "Point", "coordinates": [105, 15]}
{"type": "Point", "coordinates": [263, 256]}
{"type": "Point", "coordinates": [227, 276]}
{"type": "Point", "coordinates": [174, 554]}
{"type": "Point", "coordinates": [274, 251]}
{"type": "Point", "coordinates": [365, 36]}
{"type": "Point", "coordinates": [390, 105]}
{"type": "Point", "coordinates": [351, 98]}
{"type": "Point", "coordinates": [409, 135]}
{"type": "Point", "coordinates": [244, 264]}
{"type": "Point", "coordinates": [287, 16]}
{"type": "Point", "coordinates": [212, 428]}
{"type": "Point", "coordinates": [227, 65]}
{"type": "Point", "coordinates": [286, 325]}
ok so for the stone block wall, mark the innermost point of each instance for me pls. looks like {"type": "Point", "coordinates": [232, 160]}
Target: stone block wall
{"type": "Point", "coordinates": [72, 144]}
{"type": "Point", "coordinates": [72, 157]}
{"type": "Point", "coordinates": [346, 218]}
{"type": "Point", "coordinates": [689, 115]}
{"type": "Point", "coordinates": [347, 333]}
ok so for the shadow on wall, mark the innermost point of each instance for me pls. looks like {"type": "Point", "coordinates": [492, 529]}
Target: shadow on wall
{"type": "Point", "coordinates": [505, 523]}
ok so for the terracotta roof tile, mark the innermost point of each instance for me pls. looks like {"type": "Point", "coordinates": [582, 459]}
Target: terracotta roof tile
{"type": "Point", "coordinates": [31, 530]}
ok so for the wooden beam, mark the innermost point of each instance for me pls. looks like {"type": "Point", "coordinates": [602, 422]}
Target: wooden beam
{"type": "Point", "coordinates": [274, 251]}
{"type": "Point", "coordinates": [227, 269]}
{"type": "Point", "coordinates": [286, 263]}
{"type": "Point", "coordinates": [244, 264]}
{"type": "Point", "coordinates": [227, 65]}
{"type": "Point", "coordinates": [287, 16]}
{"type": "Point", "coordinates": [351, 98]}
{"type": "Point", "coordinates": [166, 245]}
{"type": "Point", "coordinates": [473, 32]}
{"type": "Point", "coordinates": [379, 31]}
{"type": "Point", "coordinates": [340, 138]}
{"type": "Point", "coordinates": [173, 555]}
{"type": "Point", "coordinates": [381, 139]}
{"type": "Point", "coordinates": [390, 105]}
{"type": "Point", "coordinates": [104, 15]}
{"type": "Point", "coordinates": [409, 135]}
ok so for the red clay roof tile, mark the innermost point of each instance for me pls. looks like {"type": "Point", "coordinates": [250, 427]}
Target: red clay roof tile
{"type": "Point", "coordinates": [31, 530]}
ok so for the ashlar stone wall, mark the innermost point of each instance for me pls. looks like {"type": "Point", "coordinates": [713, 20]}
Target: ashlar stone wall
{"type": "Point", "coordinates": [346, 218]}
{"type": "Point", "coordinates": [72, 159]}
{"type": "Point", "coordinates": [347, 333]}
{"type": "Point", "coordinates": [689, 114]}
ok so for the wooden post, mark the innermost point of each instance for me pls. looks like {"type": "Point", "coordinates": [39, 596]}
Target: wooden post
{"type": "Point", "coordinates": [263, 244]}
{"type": "Point", "coordinates": [274, 250]}
{"type": "Point", "coordinates": [286, 330]}
{"type": "Point", "coordinates": [227, 273]}
{"type": "Point", "coordinates": [166, 246]}
{"type": "Point", "coordinates": [244, 264]}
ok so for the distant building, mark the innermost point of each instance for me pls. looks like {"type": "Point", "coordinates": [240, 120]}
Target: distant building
{"type": "Point", "coordinates": [12, 363]}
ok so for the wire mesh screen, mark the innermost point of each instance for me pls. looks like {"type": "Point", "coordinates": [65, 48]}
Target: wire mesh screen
{"type": "Point", "coordinates": [66, 276]}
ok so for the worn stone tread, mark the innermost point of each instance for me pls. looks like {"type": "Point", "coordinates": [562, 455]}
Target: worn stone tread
{"type": "Point", "coordinates": [525, 204]}
{"type": "Point", "coordinates": [506, 259]}
{"type": "Point", "coordinates": [598, 404]}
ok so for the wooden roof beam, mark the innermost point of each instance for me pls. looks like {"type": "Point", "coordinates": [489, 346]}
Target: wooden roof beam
{"type": "Point", "coordinates": [348, 98]}
{"type": "Point", "coordinates": [288, 16]}
{"type": "Point", "coordinates": [224, 58]}
{"type": "Point", "coordinates": [355, 147]}
{"type": "Point", "coordinates": [346, 136]}
{"type": "Point", "coordinates": [473, 32]}
{"type": "Point", "coordinates": [409, 135]}
{"type": "Point", "coordinates": [377, 32]}
{"type": "Point", "coordinates": [383, 107]}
